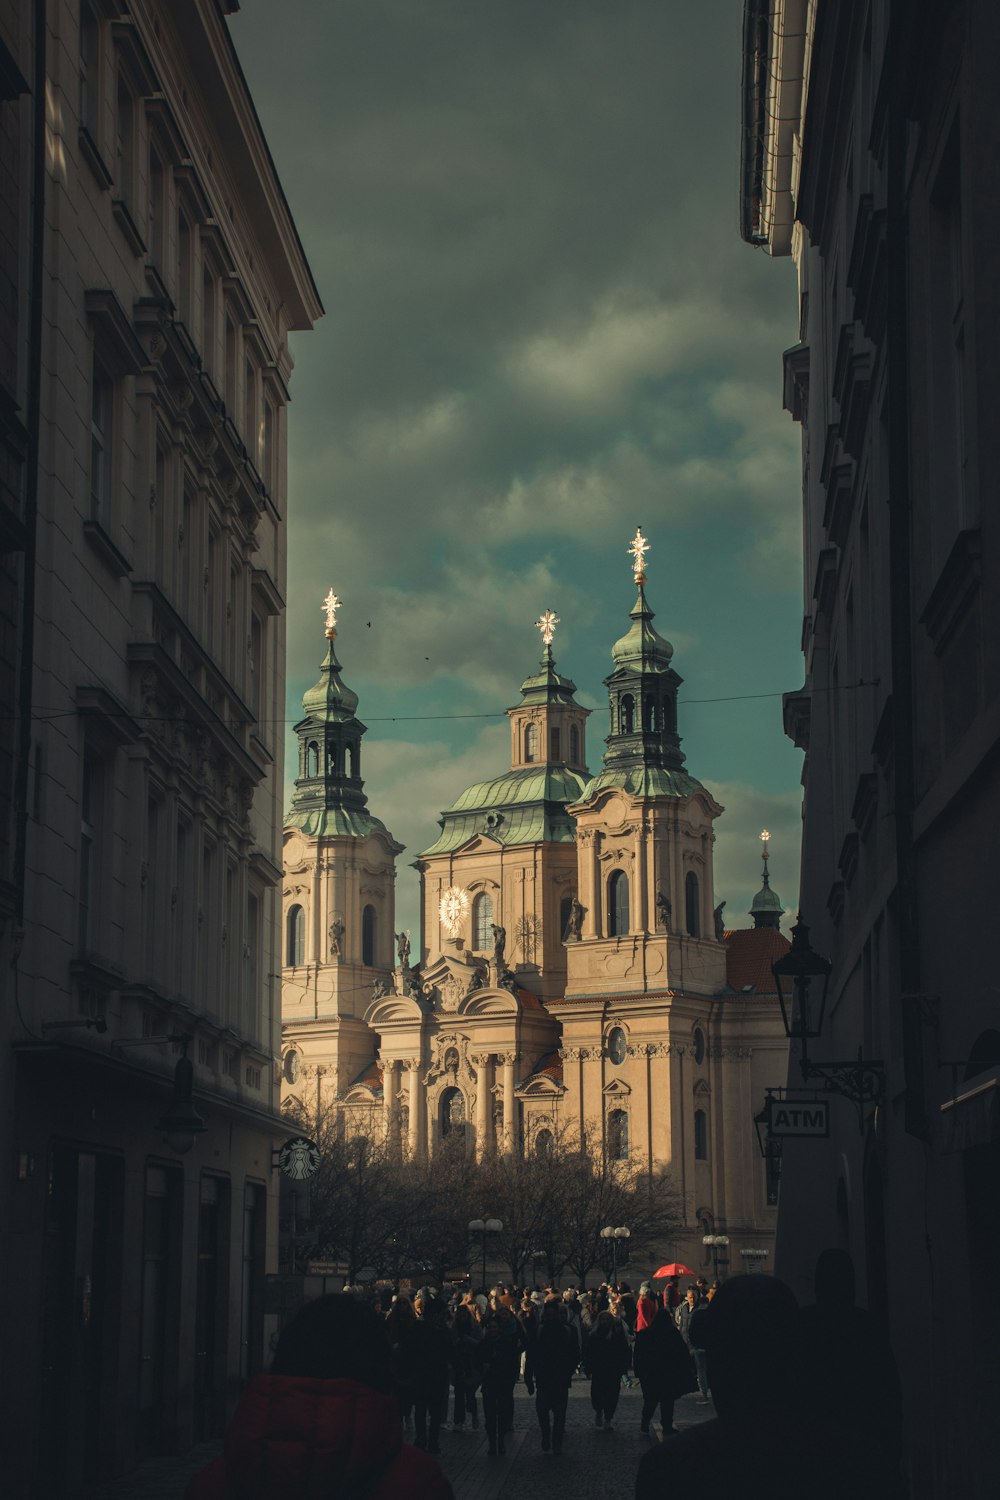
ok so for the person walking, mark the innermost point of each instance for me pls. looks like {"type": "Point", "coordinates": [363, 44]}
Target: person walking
{"type": "Point", "coordinates": [497, 1365]}
{"type": "Point", "coordinates": [662, 1365]}
{"type": "Point", "coordinates": [549, 1366]}
{"type": "Point", "coordinates": [465, 1335]}
{"type": "Point", "coordinates": [324, 1420]}
{"type": "Point", "coordinates": [429, 1352]}
{"type": "Point", "coordinates": [646, 1308]}
{"type": "Point", "coordinates": [687, 1315]}
{"type": "Point", "coordinates": [605, 1360]}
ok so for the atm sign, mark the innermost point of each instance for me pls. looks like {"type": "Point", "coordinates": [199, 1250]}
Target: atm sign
{"type": "Point", "coordinates": [790, 1117]}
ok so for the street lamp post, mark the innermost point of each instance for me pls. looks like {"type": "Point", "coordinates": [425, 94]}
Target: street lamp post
{"type": "Point", "coordinates": [484, 1227]}
{"type": "Point", "coordinates": [612, 1235]}
{"type": "Point", "coordinates": [716, 1243]}
{"type": "Point", "coordinates": [753, 1259]}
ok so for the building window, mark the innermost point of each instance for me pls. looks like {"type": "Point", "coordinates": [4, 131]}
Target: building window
{"type": "Point", "coordinates": [124, 140]}
{"type": "Point", "coordinates": [296, 938]}
{"type": "Point", "coordinates": [555, 752]}
{"type": "Point", "coordinates": [691, 904]}
{"type": "Point", "coordinates": [251, 435]}
{"type": "Point", "coordinates": [482, 922]}
{"type": "Point", "coordinates": [452, 1112]}
{"type": "Point", "coordinates": [651, 715]}
{"type": "Point", "coordinates": [700, 1135]}
{"type": "Point", "coordinates": [618, 913]}
{"type": "Point", "coordinates": [618, 1135]}
{"type": "Point", "coordinates": [101, 399]}
{"type": "Point", "coordinates": [91, 813]}
{"type": "Point", "coordinates": [267, 452]}
{"type": "Point", "coordinates": [574, 745]}
{"type": "Point", "coordinates": [627, 714]}
{"type": "Point", "coordinates": [154, 233]}
{"type": "Point", "coordinates": [230, 384]}
{"type": "Point", "coordinates": [699, 1046]}
{"type": "Point", "coordinates": [617, 1045]}
{"type": "Point", "coordinates": [256, 663]}
{"type": "Point", "coordinates": [531, 743]}
{"type": "Point", "coordinates": [184, 269]}
{"type": "Point", "coordinates": [544, 1144]}
{"type": "Point", "coordinates": [208, 320]}
{"type": "Point", "coordinates": [90, 40]}
{"type": "Point", "coordinates": [368, 936]}
{"type": "Point", "coordinates": [312, 759]}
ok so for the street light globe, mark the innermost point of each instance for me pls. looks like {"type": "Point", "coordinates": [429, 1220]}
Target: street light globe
{"type": "Point", "coordinates": [622, 1233]}
{"type": "Point", "coordinates": [476, 1226]}
{"type": "Point", "coordinates": [494, 1226]}
{"type": "Point", "coordinates": [607, 1232]}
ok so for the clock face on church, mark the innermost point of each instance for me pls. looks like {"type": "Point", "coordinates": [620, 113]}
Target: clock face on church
{"type": "Point", "coordinates": [454, 909]}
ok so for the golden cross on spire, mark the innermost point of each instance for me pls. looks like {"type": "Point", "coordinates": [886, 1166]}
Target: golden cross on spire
{"type": "Point", "coordinates": [638, 548]}
{"type": "Point", "coordinates": [547, 623]}
{"type": "Point", "coordinates": [765, 839]}
{"type": "Point", "coordinates": [331, 604]}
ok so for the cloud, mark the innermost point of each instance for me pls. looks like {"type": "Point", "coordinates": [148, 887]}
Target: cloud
{"type": "Point", "coordinates": [737, 861]}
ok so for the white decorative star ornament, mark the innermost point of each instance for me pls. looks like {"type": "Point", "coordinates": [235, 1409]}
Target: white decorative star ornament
{"type": "Point", "coordinates": [454, 909]}
{"type": "Point", "coordinates": [331, 604]}
{"type": "Point", "coordinates": [638, 548]}
{"type": "Point", "coordinates": [547, 623]}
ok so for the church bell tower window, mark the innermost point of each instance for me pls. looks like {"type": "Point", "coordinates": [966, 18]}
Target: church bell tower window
{"type": "Point", "coordinates": [482, 923]}
{"type": "Point", "coordinates": [531, 744]}
{"type": "Point", "coordinates": [691, 904]}
{"type": "Point", "coordinates": [296, 938]}
{"type": "Point", "coordinates": [368, 936]}
{"type": "Point", "coordinates": [618, 906]}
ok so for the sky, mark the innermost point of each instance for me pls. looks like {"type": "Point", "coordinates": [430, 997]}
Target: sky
{"type": "Point", "coordinates": [542, 330]}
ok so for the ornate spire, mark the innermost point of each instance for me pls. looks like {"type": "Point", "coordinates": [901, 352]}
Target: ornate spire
{"type": "Point", "coordinates": [766, 908]}
{"type": "Point", "coordinates": [638, 547]}
{"type": "Point", "coordinates": [547, 623]}
{"type": "Point", "coordinates": [330, 605]}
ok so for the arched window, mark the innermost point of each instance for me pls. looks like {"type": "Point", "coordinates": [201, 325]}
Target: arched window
{"type": "Point", "coordinates": [482, 923]}
{"type": "Point", "coordinates": [332, 760]}
{"type": "Point", "coordinates": [554, 744]}
{"type": "Point", "coordinates": [700, 1135]}
{"type": "Point", "coordinates": [368, 936]}
{"type": "Point", "coordinates": [452, 1112]}
{"type": "Point", "coordinates": [651, 715]}
{"type": "Point", "coordinates": [312, 758]}
{"type": "Point", "coordinates": [691, 904]}
{"type": "Point", "coordinates": [353, 753]}
{"type": "Point", "coordinates": [699, 1045]}
{"type": "Point", "coordinates": [544, 1144]}
{"type": "Point", "coordinates": [531, 743]}
{"type": "Point", "coordinates": [627, 714]}
{"type": "Point", "coordinates": [618, 918]}
{"type": "Point", "coordinates": [618, 1135]}
{"type": "Point", "coordinates": [574, 745]}
{"type": "Point", "coordinates": [295, 947]}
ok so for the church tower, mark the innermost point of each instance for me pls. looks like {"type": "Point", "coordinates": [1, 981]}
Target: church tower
{"type": "Point", "coordinates": [338, 895]}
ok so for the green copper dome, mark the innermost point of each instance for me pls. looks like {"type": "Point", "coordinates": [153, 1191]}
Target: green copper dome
{"type": "Point", "coordinates": [330, 698]}
{"type": "Point", "coordinates": [767, 907]}
{"type": "Point", "coordinates": [642, 649]}
{"type": "Point", "coordinates": [524, 806]}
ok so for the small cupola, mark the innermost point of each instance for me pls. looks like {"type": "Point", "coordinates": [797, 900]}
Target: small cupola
{"type": "Point", "coordinates": [329, 738]}
{"type": "Point", "coordinates": [548, 725]}
{"type": "Point", "coordinates": [642, 689]}
{"type": "Point", "coordinates": [766, 907]}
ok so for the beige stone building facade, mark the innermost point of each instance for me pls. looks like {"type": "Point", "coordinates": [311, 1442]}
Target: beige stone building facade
{"type": "Point", "coordinates": [147, 362]}
{"type": "Point", "coordinates": [573, 982]}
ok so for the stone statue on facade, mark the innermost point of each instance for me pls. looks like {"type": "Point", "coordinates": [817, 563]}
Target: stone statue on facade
{"type": "Point", "coordinates": [379, 989]}
{"type": "Point", "coordinates": [574, 923]}
{"type": "Point", "coordinates": [720, 927]}
{"type": "Point", "coordinates": [403, 949]}
{"type": "Point", "coordinates": [663, 909]}
{"type": "Point", "coordinates": [336, 938]}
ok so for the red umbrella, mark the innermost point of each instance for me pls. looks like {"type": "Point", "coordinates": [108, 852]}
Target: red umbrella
{"type": "Point", "coordinates": [675, 1268]}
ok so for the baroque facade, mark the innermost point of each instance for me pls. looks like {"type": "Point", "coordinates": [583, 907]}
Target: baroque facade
{"type": "Point", "coordinates": [871, 150]}
{"type": "Point", "coordinates": [152, 275]}
{"type": "Point", "coordinates": [574, 984]}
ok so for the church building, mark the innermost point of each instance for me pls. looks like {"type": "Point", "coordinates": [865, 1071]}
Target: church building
{"type": "Point", "coordinates": [574, 983]}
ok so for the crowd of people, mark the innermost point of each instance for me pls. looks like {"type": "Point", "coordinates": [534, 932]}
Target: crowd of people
{"type": "Point", "coordinates": [353, 1373]}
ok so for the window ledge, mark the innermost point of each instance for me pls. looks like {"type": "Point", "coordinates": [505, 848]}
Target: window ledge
{"type": "Point", "coordinates": [128, 226]}
{"type": "Point", "coordinates": [105, 548]}
{"type": "Point", "coordinates": [91, 154]}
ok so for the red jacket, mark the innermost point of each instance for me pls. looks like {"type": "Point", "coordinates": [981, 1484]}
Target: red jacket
{"type": "Point", "coordinates": [298, 1439]}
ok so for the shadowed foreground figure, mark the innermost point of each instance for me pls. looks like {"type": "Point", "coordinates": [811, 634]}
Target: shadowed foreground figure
{"type": "Point", "coordinates": [323, 1425]}
{"type": "Point", "coordinates": [760, 1447]}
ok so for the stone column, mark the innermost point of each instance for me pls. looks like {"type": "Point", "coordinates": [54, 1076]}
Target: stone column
{"type": "Point", "coordinates": [390, 1103]}
{"type": "Point", "coordinates": [483, 1098]}
{"type": "Point", "coordinates": [508, 1059]}
{"type": "Point", "coordinates": [413, 1064]}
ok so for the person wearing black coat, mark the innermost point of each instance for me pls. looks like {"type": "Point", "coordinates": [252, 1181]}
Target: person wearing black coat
{"type": "Point", "coordinates": [465, 1335]}
{"type": "Point", "coordinates": [496, 1361]}
{"type": "Point", "coordinates": [663, 1366]}
{"type": "Point", "coordinates": [605, 1360]}
{"type": "Point", "coordinates": [548, 1369]}
{"type": "Point", "coordinates": [428, 1357]}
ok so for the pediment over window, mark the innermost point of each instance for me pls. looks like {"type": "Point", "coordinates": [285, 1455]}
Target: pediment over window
{"type": "Point", "coordinates": [616, 1089]}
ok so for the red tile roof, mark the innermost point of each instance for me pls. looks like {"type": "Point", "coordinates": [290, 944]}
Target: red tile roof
{"type": "Point", "coordinates": [750, 952]}
{"type": "Point", "coordinates": [370, 1078]}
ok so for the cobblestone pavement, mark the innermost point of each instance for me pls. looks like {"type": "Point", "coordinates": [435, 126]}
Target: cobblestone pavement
{"type": "Point", "coordinates": [594, 1462]}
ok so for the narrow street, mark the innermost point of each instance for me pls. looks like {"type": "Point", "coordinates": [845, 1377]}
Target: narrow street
{"type": "Point", "coordinates": [595, 1464]}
